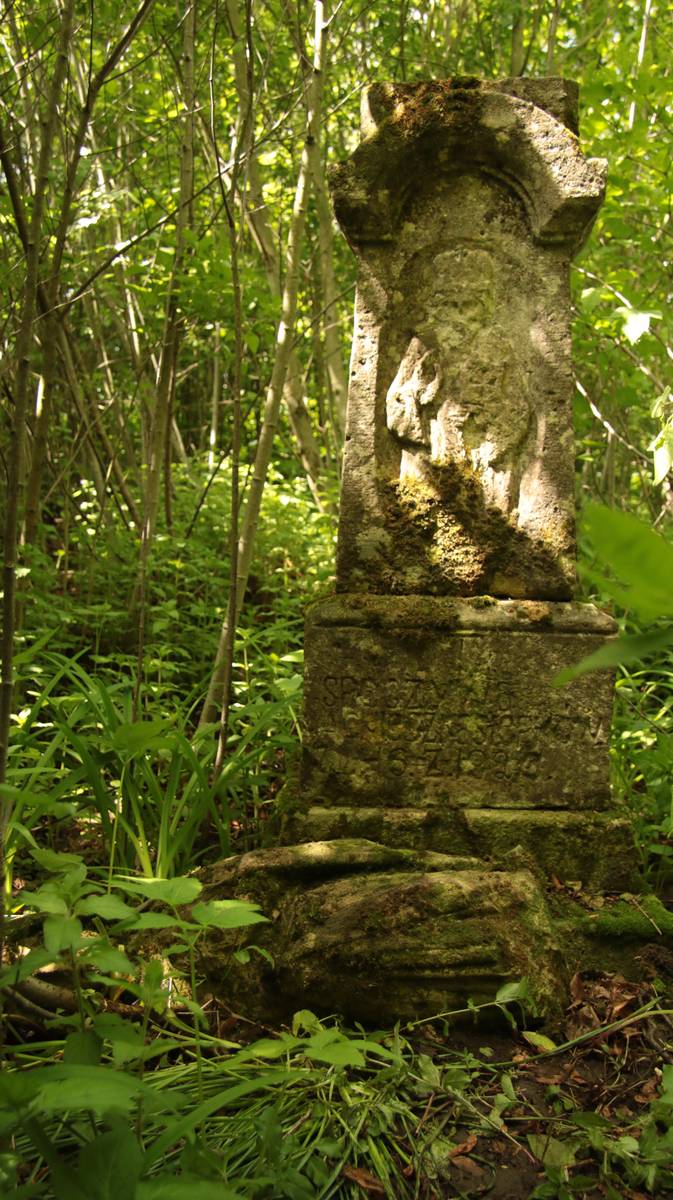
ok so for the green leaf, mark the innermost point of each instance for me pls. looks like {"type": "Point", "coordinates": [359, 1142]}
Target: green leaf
{"type": "Point", "coordinates": [31, 962]}
{"type": "Point", "coordinates": [105, 957]}
{"type": "Point", "coordinates": [65, 1088]}
{"type": "Point", "coordinates": [329, 1147]}
{"type": "Point", "coordinates": [551, 1151]}
{"type": "Point", "coordinates": [331, 1047]}
{"type": "Point", "coordinates": [589, 1120]}
{"type": "Point", "coordinates": [124, 1036]}
{"type": "Point", "coordinates": [627, 1144]}
{"type": "Point", "coordinates": [181, 890]}
{"type": "Point", "coordinates": [637, 555]}
{"type": "Point", "coordinates": [618, 651]}
{"type": "Point", "coordinates": [46, 901]}
{"type": "Point", "coordinates": [539, 1041]}
{"type": "Point", "coordinates": [49, 860]}
{"type": "Point", "coordinates": [136, 737]}
{"type": "Point", "coordinates": [517, 990]}
{"type": "Point", "coordinates": [660, 405]}
{"type": "Point", "coordinates": [268, 1048]}
{"type": "Point", "coordinates": [662, 450]}
{"type": "Point", "coordinates": [82, 1048]}
{"type": "Point", "coordinates": [338, 1056]}
{"type": "Point", "coordinates": [184, 1187]}
{"type": "Point", "coordinates": [111, 908]}
{"type": "Point", "coordinates": [156, 920]}
{"type": "Point", "coordinates": [305, 1021]}
{"type": "Point", "coordinates": [228, 914]}
{"type": "Point", "coordinates": [110, 1165]}
{"type": "Point", "coordinates": [62, 933]}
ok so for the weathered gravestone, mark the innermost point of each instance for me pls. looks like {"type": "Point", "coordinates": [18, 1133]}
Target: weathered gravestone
{"type": "Point", "coordinates": [444, 776]}
{"type": "Point", "coordinates": [431, 716]}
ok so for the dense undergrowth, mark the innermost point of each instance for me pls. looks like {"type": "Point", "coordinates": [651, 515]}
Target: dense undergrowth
{"type": "Point", "coordinates": [138, 1090]}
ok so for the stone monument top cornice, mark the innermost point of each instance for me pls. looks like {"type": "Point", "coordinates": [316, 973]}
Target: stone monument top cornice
{"type": "Point", "coordinates": [523, 131]}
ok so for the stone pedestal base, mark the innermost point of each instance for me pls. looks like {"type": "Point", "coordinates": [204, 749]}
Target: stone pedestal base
{"type": "Point", "coordinates": [435, 723]}
{"type": "Point", "coordinates": [379, 935]}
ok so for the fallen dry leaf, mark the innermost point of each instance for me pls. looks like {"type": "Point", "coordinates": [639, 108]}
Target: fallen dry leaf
{"type": "Point", "coordinates": [468, 1165]}
{"type": "Point", "coordinates": [364, 1179]}
{"type": "Point", "coordinates": [464, 1147]}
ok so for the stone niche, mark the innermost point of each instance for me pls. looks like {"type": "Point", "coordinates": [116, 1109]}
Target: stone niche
{"type": "Point", "coordinates": [445, 779]}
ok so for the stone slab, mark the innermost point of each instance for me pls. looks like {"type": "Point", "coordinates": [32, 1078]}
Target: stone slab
{"type": "Point", "coordinates": [436, 704]}
{"type": "Point", "coordinates": [596, 849]}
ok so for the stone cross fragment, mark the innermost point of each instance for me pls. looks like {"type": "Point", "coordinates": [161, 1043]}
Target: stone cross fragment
{"type": "Point", "coordinates": [464, 203]}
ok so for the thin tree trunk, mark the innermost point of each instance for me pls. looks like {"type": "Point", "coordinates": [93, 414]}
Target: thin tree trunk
{"type": "Point", "coordinates": [284, 335]}
{"type": "Point", "coordinates": [258, 221]}
{"type": "Point", "coordinates": [334, 362]}
{"type": "Point", "coordinates": [162, 416]}
{"type": "Point", "coordinates": [15, 480]}
{"type": "Point", "coordinates": [15, 465]}
{"type": "Point", "coordinates": [647, 11]}
{"type": "Point", "coordinates": [168, 359]}
{"type": "Point", "coordinates": [215, 396]}
{"type": "Point", "coordinates": [243, 141]}
{"type": "Point", "coordinates": [51, 284]}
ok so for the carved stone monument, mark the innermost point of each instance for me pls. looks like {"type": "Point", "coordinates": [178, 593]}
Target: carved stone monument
{"type": "Point", "coordinates": [444, 776]}
{"type": "Point", "coordinates": [431, 715]}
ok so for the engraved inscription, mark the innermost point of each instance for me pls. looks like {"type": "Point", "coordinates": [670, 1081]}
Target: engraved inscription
{"type": "Point", "coordinates": [459, 720]}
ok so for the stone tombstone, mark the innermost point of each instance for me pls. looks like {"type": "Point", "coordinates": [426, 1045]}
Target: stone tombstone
{"type": "Point", "coordinates": [444, 777]}
{"type": "Point", "coordinates": [464, 204]}
{"type": "Point", "coordinates": [431, 716]}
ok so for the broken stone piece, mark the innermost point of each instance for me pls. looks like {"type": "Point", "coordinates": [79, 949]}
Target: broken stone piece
{"type": "Point", "coordinates": [378, 934]}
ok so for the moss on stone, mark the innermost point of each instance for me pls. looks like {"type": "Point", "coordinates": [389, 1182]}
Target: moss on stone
{"type": "Point", "coordinates": [642, 917]}
{"type": "Point", "coordinates": [468, 547]}
{"type": "Point", "coordinates": [381, 934]}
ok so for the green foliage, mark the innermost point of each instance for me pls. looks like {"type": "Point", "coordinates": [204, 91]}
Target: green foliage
{"type": "Point", "coordinates": [145, 788]}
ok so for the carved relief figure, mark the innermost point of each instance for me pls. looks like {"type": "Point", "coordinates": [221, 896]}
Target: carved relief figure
{"type": "Point", "coordinates": [460, 391]}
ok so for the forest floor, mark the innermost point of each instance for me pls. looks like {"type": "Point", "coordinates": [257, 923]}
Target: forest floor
{"type": "Point", "coordinates": [591, 1118]}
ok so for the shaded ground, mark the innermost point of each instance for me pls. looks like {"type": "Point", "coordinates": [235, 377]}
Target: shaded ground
{"type": "Point", "coordinates": [510, 1118]}
{"type": "Point", "coordinates": [410, 1114]}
